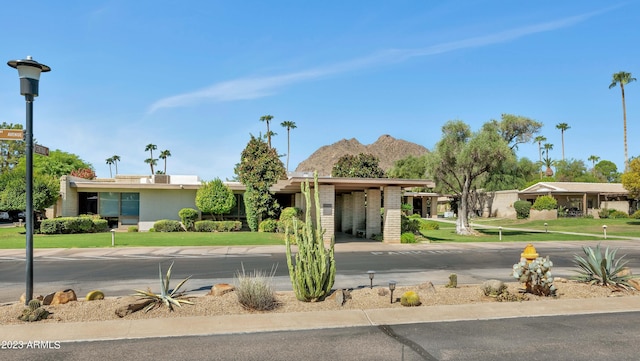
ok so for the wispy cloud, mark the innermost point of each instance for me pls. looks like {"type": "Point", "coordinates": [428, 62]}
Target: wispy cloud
{"type": "Point", "coordinates": [258, 87]}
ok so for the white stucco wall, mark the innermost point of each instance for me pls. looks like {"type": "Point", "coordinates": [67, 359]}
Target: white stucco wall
{"type": "Point", "coordinates": [165, 204]}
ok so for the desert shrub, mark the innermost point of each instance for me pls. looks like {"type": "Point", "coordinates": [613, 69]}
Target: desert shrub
{"type": "Point", "coordinates": [69, 225]}
{"type": "Point", "coordinates": [167, 225]}
{"type": "Point", "coordinates": [406, 208]}
{"type": "Point", "coordinates": [614, 213]}
{"type": "Point", "coordinates": [410, 299]}
{"type": "Point", "coordinates": [523, 208]}
{"type": "Point", "coordinates": [255, 290]}
{"type": "Point", "coordinates": [635, 215]}
{"type": "Point", "coordinates": [286, 219]}
{"type": "Point", "coordinates": [545, 203]}
{"type": "Point", "coordinates": [603, 213]}
{"type": "Point", "coordinates": [429, 226]}
{"type": "Point", "coordinates": [188, 217]}
{"type": "Point", "coordinates": [602, 269]}
{"type": "Point", "coordinates": [493, 288]}
{"type": "Point", "coordinates": [132, 229]}
{"type": "Point", "coordinates": [407, 237]}
{"type": "Point", "coordinates": [268, 225]}
{"type": "Point", "coordinates": [410, 224]}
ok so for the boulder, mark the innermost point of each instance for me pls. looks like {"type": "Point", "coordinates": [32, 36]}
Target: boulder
{"type": "Point", "coordinates": [635, 282]}
{"type": "Point", "coordinates": [23, 298]}
{"type": "Point", "coordinates": [47, 299]}
{"type": "Point", "coordinates": [493, 287]}
{"type": "Point", "coordinates": [339, 297]}
{"type": "Point", "coordinates": [131, 308]}
{"type": "Point", "coordinates": [220, 289]}
{"type": "Point", "coordinates": [62, 297]}
{"type": "Point", "coordinates": [427, 286]}
{"type": "Point", "coordinates": [383, 291]}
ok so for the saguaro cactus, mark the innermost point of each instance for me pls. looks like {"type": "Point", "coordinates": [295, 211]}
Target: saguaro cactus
{"type": "Point", "coordinates": [314, 270]}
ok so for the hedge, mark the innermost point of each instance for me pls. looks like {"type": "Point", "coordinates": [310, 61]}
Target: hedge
{"type": "Point", "coordinates": [218, 226]}
{"type": "Point", "coordinates": [69, 225]}
{"type": "Point", "coordinates": [167, 225]}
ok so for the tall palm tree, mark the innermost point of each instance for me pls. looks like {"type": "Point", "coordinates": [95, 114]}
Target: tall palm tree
{"type": "Point", "coordinates": [116, 159]}
{"type": "Point", "coordinates": [547, 159]}
{"type": "Point", "coordinates": [110, 162]}
{"type": "Point", "coordinates": [563, 127]}
{"type": "Point", "coordinates": [623, 78]}
{"type": "Point", "coordinates": [151, 163]}
{"type": "Point", "coordinates": [289, 125]}
{"type": "Point", "coordinates": [163, 155]}
{"type": "Point", "coordinates": [267, 119]}
{"type": "Point", "coordinates": [594, 159]}
{"type": "Point", "coordinates": [539, 139]}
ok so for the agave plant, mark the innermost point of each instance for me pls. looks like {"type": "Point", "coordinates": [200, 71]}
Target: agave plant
{"type": "Point", "coordinates": [167, 296]}
{"type": "Point", "coordinates": [601, 269]}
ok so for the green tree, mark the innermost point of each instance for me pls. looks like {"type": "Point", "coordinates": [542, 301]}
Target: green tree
{"type": "Point", "coordinates": [631, 178]}
{"type": "Point", "coordinates": [563, 127]}
{"type": "Point", "coordinates": [151, 161]}
{"type": "Point", "coordinates": [13, 196]}
{"type": "Point", "coordinates": [10, 150]}
{"type": "Point", "coordinates": [623, 78]}
{"type": "Point", "coordinates": [547, 161]}
{"type": "Point", "coordinates": [608, 171]}
{"type": "Point", "coordinates": [109, 162]}
{"type": "Point", "coordinates": [267, 119]}
{"type": "Point", "coordinates": [593, 159]}
{"type": "Point", "coordinates": [215, 198]}
{"type": "Point", "coordinates": [357, 166]}
{"type": "Point", "coordinates": [259, 169]}
{"type": "Point", "coordinates": [511, 175]}
{"type": "Point", "coordinates": [409, 168]}
{"type": "Point", "coordinates": [461, 157]}
{"type": "Point", "coordinates": [57, 164]}
{"type": "Point", "coordinates": [573, 170]}
{"type": "Point", "coordinates": [540, 139]}
{"type": "Point", "coordinates": [289, 125]}
{"type": "Point", "coordinates": [163, 155]}
{"type": "Point", "coordinates": [116, 159]}
{"type": "Point", "coordinates": [516, 129]}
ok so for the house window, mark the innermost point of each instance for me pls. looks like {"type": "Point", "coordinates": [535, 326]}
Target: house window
{"type": "Point", "coordinates": [109, 204]}
{"type": "Point", "coordinates": [130, 204]}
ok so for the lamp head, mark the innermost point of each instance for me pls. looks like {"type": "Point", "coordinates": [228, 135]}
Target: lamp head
{"type": "Point", "coordinates": [29, 72]}
{"type": "Point", "coordinates": [392, 285]}
{"type": "Point", "coordinates": [371, 274]}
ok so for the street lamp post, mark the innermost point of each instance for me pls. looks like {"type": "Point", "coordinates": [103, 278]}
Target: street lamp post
{"type": "Point", "coordinates": [29, 72]}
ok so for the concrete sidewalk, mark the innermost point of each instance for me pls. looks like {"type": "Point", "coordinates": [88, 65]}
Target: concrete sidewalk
{"type": "Point", "coordinates": [269, 322]}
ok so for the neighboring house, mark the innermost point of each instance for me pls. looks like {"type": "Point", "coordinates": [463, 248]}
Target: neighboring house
{"type": "Point", "coordinates": [582, 198]}
{"type": "Point", "coordinates": [350, 205]}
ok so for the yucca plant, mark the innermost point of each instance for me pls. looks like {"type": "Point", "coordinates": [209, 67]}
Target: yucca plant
{"type": "Point", "coordinates": [167, 296]}
{"type": "Point", "coordinates": [602, 269]}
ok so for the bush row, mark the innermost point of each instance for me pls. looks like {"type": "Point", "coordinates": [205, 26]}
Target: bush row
{"type": "Point", "coordinates": [218, 226]}
{"type": "Point", "coordinates": [68, 225]}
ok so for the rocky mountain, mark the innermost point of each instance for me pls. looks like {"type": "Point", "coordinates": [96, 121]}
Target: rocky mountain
{"type": "Point", "coordinates": [387, 148]}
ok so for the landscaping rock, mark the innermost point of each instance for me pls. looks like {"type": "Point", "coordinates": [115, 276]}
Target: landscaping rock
{"type": "Point", "coordinates": [427, 286]}
{"type": "Point", "coordinates": [635, 282]}
{"type": "Point", "coordinates": [62, 297]}
{"type": "Point", "coordinates": [131, 308]}
{"type": "Point", "coordinates": [221, 289]}
{"type": "Point", "coordinates": [383, 291]}
{"type": "Point", "coordinates": [47, 299]}
{"type": "Point", "coordinates": [23, 298]}
{"type": "Point", "coordinates": [493, 287]}
{"type": "Point", "coordinates": [339, 297]}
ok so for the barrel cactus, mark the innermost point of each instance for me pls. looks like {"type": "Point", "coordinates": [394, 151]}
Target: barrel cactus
{"type": "Point", "coordinates": [34, 304]}
{"type": "Point", "coordinates": [410, 299]}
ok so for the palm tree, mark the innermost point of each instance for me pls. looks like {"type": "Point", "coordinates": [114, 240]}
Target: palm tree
{"type": "Point", "coordinates": [289, 125]}
{"type": "Point", "coordinates": [547, 160]}
{"type": "Point", "coordinates": [539, 139]}
{"type": "Point", "coordinates": [163, 155]}
{"type": "Point", "coordinates": [110, 162]}
{"type": "Point", "coordinates": [151, 163]}
{"type": "Point", "coordinates": [116, 159]}
{"type": "Point", "coordinates": [563, 127]}
{"type": "Point", "coordinates": [594, 159]}
{"type": "Point", "coordinates": [623, 78]}
{"type": "Point", "coordinates": [267, 119]}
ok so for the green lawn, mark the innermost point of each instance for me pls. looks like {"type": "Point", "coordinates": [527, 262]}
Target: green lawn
{"type": "Point", "coordinates": [15, 238]}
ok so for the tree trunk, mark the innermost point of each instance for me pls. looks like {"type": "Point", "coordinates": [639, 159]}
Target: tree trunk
{"type": "Point", "coordinates": [462, 224]}
{"type": "Point", "coordinates": [624, 117]}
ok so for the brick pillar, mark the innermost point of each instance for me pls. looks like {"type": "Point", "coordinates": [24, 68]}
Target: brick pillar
{"type": "Point", "coordinates": [358, 212]}
{"type": "Point", "coordinates": [424, 212]}
{"type": "Point", "coordinates": [392, 211]}
{"type": "Point", "coordinates": [347, 213]}
{"type": "Point", "coordinates": [374, 222]}
{"type": "Point", "coordinates": [410, 202]}
{"type": "Point", "coordinates": [434, 207]}
{"type": "Point", "coordinates": [338, 215]}
{"type": "Point", "coordinates": [299, 203]}
{"type": "Point", "coordinates": [327, 197]}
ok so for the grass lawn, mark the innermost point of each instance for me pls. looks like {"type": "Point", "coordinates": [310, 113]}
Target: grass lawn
{"type": "Point", "coordinates": [14, 237]}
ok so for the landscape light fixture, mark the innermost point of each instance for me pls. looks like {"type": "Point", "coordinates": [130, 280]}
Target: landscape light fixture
{"type": "Point", "coordinates": [29, 73]}
{"type": "Point", "coordinates": [604, 229]}
{"type": "Point", "coordinates": [500, 233]}
{"type": "Point", "coordinates": [371, 274]}
{"type": "Point", "coordinates": [113, 237]}
{"type": "Point", "coordinates": [545, 227]}
{"type": "Point", "coordinates": [392, 287]}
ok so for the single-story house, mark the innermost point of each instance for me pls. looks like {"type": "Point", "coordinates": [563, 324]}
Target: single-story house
{"type": "Point", "coordinates": [350, 205]}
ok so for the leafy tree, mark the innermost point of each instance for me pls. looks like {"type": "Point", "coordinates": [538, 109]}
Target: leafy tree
{"type": "Point", "coordinates": [539, 139]}
{"type": "Point", "coordinates": [512, 175]}
{"type": "Point", "coordinates": [461, 157]}
{"type": "Point", "coordinates": [516, 129]}
{"type": "Point", "coordinates": [267, 119]}
{"type": "Point", "coordinates": [10, 150]}
{"type": "Point", "coordinates": [631, 178]}
{"type": "Point", "coordinates": [151, 161]}
{"type": "Point", "coordinates": [259, 169]}
{"type": "Point", "coordinates": [57, 164]}
{"type": "Point", "coordinates": [110, 161]}
{"type": "Point", "coordinates": [116, 159]}
{"type": "Point", "coordinates": [357, 166]}
{"type": "Point", "coordinates": [13, 196]}
{"type": "Point", "coordinates": [163, 155]}
{"type": "Point", "coordinates": [563, 127]}
{"type": "Point", "coordinates": [608, 171]}
{"type": "Point", "coordinates": [593, 159]}
{"type": "Point", "coordinates": [571, 170]}
{"type": "Point", "coordinates": [410, 168]}
{"type": "Point", "coordinates": [289, 125]}
{"type": "Point", "coordinates": [623, 78]}
{"type": "Point", "coordinates": [215, 197]}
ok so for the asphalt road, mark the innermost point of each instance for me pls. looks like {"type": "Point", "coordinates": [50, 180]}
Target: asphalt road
{"type": "Point", "coordinates": [118, 275]}
{"type": "Point", "coordinates": [579, 337]}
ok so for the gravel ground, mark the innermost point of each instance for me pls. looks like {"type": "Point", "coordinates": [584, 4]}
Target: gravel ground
{"type": "Point", "coordinates": [362, 298]}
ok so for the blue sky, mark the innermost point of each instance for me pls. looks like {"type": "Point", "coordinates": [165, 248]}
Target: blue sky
{"type": "Point", "coordinates": [194, 77]}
